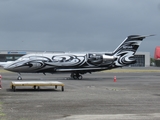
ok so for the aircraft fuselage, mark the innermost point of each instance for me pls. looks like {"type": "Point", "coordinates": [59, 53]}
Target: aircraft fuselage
{"type": "Point", "coordinates": [63, 62]}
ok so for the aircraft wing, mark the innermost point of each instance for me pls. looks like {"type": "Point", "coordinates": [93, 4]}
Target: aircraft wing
{"type": "Point", "coordinates": [82, 69]}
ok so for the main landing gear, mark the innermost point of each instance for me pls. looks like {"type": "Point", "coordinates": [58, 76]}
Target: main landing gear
{"type": "Point", "coordinates": [76, 76]}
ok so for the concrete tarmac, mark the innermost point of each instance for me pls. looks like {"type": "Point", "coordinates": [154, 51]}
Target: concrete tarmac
{"type": "Point", "coordinates": [135, 95]}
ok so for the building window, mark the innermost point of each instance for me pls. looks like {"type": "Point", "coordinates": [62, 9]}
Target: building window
{"type": "Point", "coordinates": [9, 57]}
{"type": "Point", "coordinates": [140, 61]}
{"type": "Point", "coordinates": [16, 57]}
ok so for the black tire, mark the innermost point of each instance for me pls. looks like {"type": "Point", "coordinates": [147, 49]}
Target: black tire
{"type": "Point", "coordinates": [80, 77]}
{"type": "Point", "coordinates": [74, 77]}
{"type": "Point", "coordinates": [19, 78]}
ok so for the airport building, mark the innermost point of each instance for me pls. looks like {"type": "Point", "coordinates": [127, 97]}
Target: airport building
{"type": "Point", "coordinates": [10, 55]}
{"type": "Point", "coordinates": [143, 58]}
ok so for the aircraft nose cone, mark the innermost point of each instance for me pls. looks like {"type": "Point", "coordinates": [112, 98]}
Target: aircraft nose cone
{"type": "Point", "coordinates": [9, 67]}
{"type": "Point", "coordinates": [6, 67]}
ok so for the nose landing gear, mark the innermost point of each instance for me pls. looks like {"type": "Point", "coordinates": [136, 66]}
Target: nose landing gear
{"type": "Point", "coordinates": [19, 77]}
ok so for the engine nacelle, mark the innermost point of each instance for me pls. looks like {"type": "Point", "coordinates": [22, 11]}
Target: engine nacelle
{"type": "Point", "coordinates": [100, 59]}
{"type": "Point", "coordinates": [107, 57]}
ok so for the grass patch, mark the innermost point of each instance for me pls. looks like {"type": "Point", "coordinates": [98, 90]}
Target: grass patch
{"type": "Point", "coordinates": [1, 111]}
{"type": "Point", "coordinates": [4, 71]}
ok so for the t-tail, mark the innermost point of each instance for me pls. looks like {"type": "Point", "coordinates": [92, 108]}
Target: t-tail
{"type": "Point", "coordinates": [126, 50]}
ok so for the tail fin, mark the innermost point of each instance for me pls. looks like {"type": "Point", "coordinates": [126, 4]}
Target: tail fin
{"type": "Point", "coordinates": [126, 50]}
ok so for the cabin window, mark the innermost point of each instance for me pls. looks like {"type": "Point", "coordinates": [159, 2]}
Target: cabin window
{"type": "Point", "coordinates": [9, 57]}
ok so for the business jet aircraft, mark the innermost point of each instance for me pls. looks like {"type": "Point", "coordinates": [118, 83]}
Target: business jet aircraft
{"type": "Point", "coordinates": [77, 63]}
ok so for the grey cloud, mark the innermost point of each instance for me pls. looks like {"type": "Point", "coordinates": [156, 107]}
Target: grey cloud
{"type": "Point", "coordinates": [81, 25]}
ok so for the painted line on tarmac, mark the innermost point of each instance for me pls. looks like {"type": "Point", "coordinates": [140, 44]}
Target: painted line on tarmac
{"type": "Point", "coordinates": [146, 116]}
{"type": "Point", "coordinates": [132, 71]}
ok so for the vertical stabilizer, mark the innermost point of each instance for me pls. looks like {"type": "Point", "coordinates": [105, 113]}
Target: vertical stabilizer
{"type": "Point", "coordinates": [126, 50]}
{"type": "Point", "coordinates": [131, 43]}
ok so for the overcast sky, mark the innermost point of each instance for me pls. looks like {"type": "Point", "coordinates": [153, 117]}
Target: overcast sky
{"type": "Point", "coordinates": [77, 25]}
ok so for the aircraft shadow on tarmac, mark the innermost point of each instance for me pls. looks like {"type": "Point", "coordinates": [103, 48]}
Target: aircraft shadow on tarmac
{"type": "Point", "coordinates": [90, 78]}
{"type": "Point", "coordinates": [156, 94]}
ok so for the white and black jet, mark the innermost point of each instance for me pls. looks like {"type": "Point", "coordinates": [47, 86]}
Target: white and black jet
{"type": "Point", "coordinates": [77, 63]}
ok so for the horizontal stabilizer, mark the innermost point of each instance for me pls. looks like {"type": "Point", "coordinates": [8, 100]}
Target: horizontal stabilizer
{"type": "Point", "coordinates": [142, 36]}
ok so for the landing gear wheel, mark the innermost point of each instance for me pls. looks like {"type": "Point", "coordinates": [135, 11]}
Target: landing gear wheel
{"type": "Point", "coordinates": [76, 76]}
{"type": "Point", "coordinates": [72, 75]}
{"type": "Point", "coordinates": [19, 78]}
{"type": "Point", "coordinates": [80, 77]}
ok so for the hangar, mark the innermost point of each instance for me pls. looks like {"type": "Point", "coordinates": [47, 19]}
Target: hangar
{"type": "Point", "coordinates": [143, 58]}
{"type": "Point", "coordinates": [10, 55]}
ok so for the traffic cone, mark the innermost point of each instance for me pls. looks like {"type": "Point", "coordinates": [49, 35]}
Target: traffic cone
{"type": "Point", "coordinates": [115, 79]}
{"type": "Point", "coordinates": [0, 82]}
